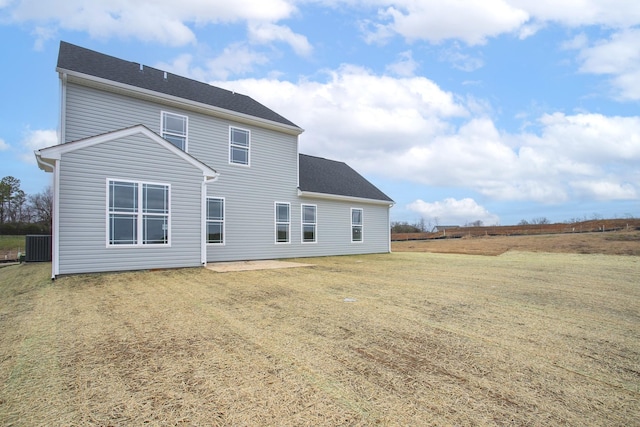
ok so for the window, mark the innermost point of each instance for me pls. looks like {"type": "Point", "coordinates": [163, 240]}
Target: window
{"type": "Point", "coordinates": [138, 213]}
{"type": "Point", "coordinates": [215, 220]}
{"type": "Point", "coordinates": [239, 140]}
{"type": "Point", "coordinates": [283, 222]}
{"type": "Point", "coordinates": [174, 129]}
{"type": "Point", "coordinates": [309, 223]}
{"type": "Point", "coordinates": [356, 225]}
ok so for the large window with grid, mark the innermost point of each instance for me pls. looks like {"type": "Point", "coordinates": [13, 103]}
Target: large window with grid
{"type": "Point", "coordinates": [174, 129]}
{"type": "Point", "coordinates": [215, 220]}
{"type": "Point", "coordinates": [283, 222]}
{"type": "Point", "coordinates": [239, 145]}
{"type": "Point", "coordinates": [138, 213]}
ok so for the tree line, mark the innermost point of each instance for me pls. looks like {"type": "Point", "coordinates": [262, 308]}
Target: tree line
{"type": "Point", "coordinates": [21, 213]}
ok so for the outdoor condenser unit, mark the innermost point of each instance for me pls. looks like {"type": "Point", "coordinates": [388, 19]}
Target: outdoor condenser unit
{"type": "Point", "coordinates": [38, 248]}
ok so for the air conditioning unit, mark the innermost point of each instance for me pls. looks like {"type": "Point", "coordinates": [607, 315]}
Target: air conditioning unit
{"type": "Point", "coordinates": [38, 248]}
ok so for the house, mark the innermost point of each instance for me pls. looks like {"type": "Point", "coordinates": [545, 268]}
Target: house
{"type": "Point", "coordinates": [155, 170]}
{"type": "Point", "coordinates": [438, 228]}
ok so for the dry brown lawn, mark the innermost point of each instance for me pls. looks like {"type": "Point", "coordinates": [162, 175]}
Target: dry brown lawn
{"type": "Point", "coordinates": [610, 243]}
{"type": "Point", "coordinates": [522, 338]}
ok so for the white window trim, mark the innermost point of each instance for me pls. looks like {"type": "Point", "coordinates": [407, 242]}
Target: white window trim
{"type": "Point", "coordinates": [248, 147]}
{"type": "Point", "coordinates": [275, 223]}
{"type": "Point", "coordinates": [302, 224]}
{"type": "Point", "coordinates": [361, 225]}
{"type": "Point", "coordinates": [224, 216]}
{"type": "Point", "coordinates": [139, 214]}
{"type": "Point", "coordinates": [163, 114]}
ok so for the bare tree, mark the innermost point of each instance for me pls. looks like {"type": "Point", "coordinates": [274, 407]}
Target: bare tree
{"type": "Point", "coordinates": [42, 205]}
{"type": "Point", "coordinates": [540, 220]}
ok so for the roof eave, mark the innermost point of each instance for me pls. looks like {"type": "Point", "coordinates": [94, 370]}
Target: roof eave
{"type": "Point", "coordinates": [316, 195]}
{"type": "Point", "coordinates": [185, 103]}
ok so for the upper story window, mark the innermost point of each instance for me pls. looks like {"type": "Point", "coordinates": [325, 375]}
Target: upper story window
{"type": "Point", "coordinates": [356, 225]}
{"type": "Point", "coordinates": [239, 142]}
{"type": "Point", "coordinates": [174, 129]}
{"type": "Point", "coordinates": [283, 222]}
{"type": "Point", "coordinates": [138, 213]}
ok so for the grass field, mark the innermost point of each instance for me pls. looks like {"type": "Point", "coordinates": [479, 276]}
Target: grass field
{"type": "Point", "coordinates": [396, 339]}
{"type": "Point", "coordinates": [10, 246]}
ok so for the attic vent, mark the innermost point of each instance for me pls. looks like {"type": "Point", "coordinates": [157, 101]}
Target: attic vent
{"type": "Point", "coordinates": [141, 67]}
{"type": "Point", "coordinates": [165, 75]}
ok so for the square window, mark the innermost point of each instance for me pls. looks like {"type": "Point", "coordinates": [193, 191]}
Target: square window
{"type": "Point", "coordinates": [138, 213]}
{"type": "Point", "coordinates": [155, 230]}
{"type": "Point", "coordinates": [122, 229]}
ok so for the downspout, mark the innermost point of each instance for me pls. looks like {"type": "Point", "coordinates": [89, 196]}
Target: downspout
{"type": "Point", "coordinates": [203, 216]}
{"type": "Point", "coordinates": [55, 261]}
{"type": "Point", "coordinates": [63, 109]}
{"type": "Point", "coordinates": [52, 166]}
{"type": "Point", "coordinates": [389, 224]}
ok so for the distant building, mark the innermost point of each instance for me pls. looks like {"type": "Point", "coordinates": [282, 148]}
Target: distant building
{"type": "Point", "coordinates": [438, 228]}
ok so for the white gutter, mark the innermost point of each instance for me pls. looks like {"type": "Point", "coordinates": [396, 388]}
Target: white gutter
{"type": "Point", "coordinates": [43, 164]}
{"type": "Point", "coordinates": [315, 195]}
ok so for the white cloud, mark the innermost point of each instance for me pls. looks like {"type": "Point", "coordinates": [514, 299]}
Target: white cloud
{"type": "Point", "coordinates": [410, 129]}
{"type": "Point", "coordinates": [163, 21]}
{"type": "Point", "coordinates": [618, 57]}
{"type": "Point", "coordinates": [42, 35]}
{"type": "Point", "coordinates": [3, 145]}
{"type": "Point", "coordinates": [605, 189]}
{"type": "Point", "coordinates": [264, 33]}
{"type": "Point", "coordinates": [236, 59]}
{"type": "Point", "coordinates": [592, 138]}
{"type": "Point", "coordinates": [460, 60]}
{"type": "Point", "coordinates": [35, 140]}
{"type": "Point", "coordinates": [473, 22]}
{"type": "Point", "coordinates": [435, 21]}
{"type": "Point", "coordinates": [356, 114]}
{"type": "Point", "coordinates": [454, 212]}
{"type": "Point", "coordinates": [576, 13]}
{"type": "Point", "coordinates": [405, 66]}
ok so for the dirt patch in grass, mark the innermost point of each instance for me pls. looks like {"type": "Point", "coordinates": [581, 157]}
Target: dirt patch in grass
{"type": "Point", "coordinates": [394, 339]}
{"type": "Point", "coordinates": [610, 243]}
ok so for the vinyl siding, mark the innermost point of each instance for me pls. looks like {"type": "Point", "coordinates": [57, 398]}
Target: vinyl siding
{"type": "Point", "coordinates": [83, 210]}
{"type": "Point", "coordinates": [250, 229]}
{"type": "Point", "coordinates": [250, 192]}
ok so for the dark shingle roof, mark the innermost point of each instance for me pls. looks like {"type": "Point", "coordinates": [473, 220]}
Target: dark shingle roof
{"type": "Point", "coordinates": [325, 176]}
{"type": "Point", "coordinates": [85, 61]}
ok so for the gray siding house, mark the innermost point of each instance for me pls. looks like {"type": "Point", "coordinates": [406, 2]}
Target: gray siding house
{"type": "Point", "coordinates": [155, 170]}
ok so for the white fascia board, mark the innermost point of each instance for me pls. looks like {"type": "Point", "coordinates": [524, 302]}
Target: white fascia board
{"type": "Point", "coordinates": [45, 155]}
{"type": "Point", "coordinates": [315, 195]}
{"type": "Point", "coordinates": [185, 103]}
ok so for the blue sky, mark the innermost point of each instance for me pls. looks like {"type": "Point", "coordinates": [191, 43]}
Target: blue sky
{"type": "Point", "coordinates": [459, 110]}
